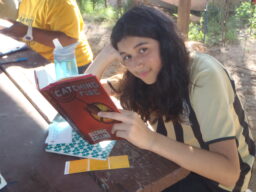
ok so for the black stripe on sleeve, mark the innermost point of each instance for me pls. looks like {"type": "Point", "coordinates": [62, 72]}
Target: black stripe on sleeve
{"type": "Point", "coordinates": [245, 168]}
{"type": "Point", "coordinates": [241, 117]}
{"type": "Point", "coordinates": [220, 139]}
{"type": "Point", "coordinates": [112, 87]}
{"type": "Point", "coordinates": [178, 132]}
{"type": "Point", "coordinates": [196, 127]}
{"type": "Point", "coordinates": [161, 127]}
{"type": "Point", "coordinates": [240, 113]}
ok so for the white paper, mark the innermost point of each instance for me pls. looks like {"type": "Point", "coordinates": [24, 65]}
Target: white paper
{"type": "Point", "coordinates": [44, 77]}
{"type": "Point", "coordinates": [2, 182]}
{"type": "Point", "coordinates": [7, 43]}
{"type": "Point", "coordinates": [59, 132]}
{"type": "Point", "coordinates": [5, 23]}
{"type": "Point", "coordinates": [66, 170]}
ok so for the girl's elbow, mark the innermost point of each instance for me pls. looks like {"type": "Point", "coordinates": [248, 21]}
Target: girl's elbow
{"type": "Point", "coordinates": [65, 39]}
{"type": "Point", "coordinates": [232, 179]}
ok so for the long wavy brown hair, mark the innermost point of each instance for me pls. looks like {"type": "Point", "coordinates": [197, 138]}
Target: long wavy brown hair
{"type": "Point", "coordinates": [165, 97]}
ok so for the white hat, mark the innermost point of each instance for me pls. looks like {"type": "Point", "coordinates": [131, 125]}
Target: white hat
{"type": "Point", "coordinates": [9, 9]}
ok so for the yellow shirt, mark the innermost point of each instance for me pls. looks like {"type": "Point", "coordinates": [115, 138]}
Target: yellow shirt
{"type": "Point", "coordinates": [56, 15]}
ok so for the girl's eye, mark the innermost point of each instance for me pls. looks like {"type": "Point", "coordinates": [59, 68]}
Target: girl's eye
{"type": "Point", "coordinates": [143, 50]}
{"type": "Point", "coordinates": [126, 57]}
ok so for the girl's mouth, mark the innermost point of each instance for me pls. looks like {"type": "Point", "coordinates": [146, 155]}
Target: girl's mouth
{"type": "Point", "coordinates": [143, 73]}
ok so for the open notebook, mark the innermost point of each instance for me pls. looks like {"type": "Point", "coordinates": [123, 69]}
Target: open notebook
{"type": "Point", "coordinates": [78, 147]}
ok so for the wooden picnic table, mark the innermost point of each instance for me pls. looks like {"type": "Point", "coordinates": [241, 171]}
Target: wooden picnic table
{"type": "Point", "coordinates": [24, 117]}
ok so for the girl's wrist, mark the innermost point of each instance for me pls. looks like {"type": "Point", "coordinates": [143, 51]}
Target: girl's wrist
{"type": "Point", "coordinates": [151, 141]}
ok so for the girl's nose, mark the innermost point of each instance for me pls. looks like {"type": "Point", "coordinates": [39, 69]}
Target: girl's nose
{"type": "Point", "coordinates": [138, 62]}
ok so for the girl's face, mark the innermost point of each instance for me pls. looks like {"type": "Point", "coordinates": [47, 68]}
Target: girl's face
{"type": "Point", "coordinates": [141, 56]}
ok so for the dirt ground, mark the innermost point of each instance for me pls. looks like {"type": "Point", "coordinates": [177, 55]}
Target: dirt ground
{"type": "Point", "coordinates": [239, 59]}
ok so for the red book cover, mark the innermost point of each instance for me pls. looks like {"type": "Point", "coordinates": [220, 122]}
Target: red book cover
{"type": "Point", "coordinates": [79, 99]}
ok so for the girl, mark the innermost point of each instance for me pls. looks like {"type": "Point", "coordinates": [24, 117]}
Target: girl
{"type": "Point", "coordinates": [188, 99]}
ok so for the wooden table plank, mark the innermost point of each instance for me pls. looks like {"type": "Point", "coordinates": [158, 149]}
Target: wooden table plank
{"type": "Point", "coordinates": [23, 162]}
{"type": "Point", "coordinates": [148, 173]}
{"type": "Point", "coordinates": [22, 74]}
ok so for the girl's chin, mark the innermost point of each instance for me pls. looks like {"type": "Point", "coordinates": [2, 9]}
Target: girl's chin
{"type": "Point", "coordinates": [148, 81]}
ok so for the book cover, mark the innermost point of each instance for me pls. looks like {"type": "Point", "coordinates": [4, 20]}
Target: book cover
{"type": "Point", "coordinates": [81, 148]}
{"type": "Point", "coordinates": [78, 99]}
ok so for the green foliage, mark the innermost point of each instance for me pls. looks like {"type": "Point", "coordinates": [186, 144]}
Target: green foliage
{"type": "Point", "coordinates": [97, 10]}
{"type": "Point", "coordinates": [195, 32]}
{"type": "Point", "coordinates": [208, 30]}
{"type": "Point", "coordinates": [231, 29]}
{"type": "Point", "coordinates": [244, 13]}
{"type": "Point", "coordinates": [253, 23]}
{"type": "Point", "coordinates": [246, 17]}
{"type": "Point", "coordinates": [221, 25]}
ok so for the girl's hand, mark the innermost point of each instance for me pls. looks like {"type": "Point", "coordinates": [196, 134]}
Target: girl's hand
{"type": "Point", "coordinates": [131, 128]}
{"type": "Point", "coordinates": [106, 56]}
{"type": "Point", "coordinates": [17, 30]}
{"type": "Point", "coordinates": [109, 54]}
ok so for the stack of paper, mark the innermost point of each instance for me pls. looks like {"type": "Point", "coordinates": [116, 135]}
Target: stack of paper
{"type": "Point", "coordinates": [62, 139]}
{"type": "Point", "coordinates": [59, 131]}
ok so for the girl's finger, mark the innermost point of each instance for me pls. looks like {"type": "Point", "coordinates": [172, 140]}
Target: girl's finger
{"type": "Point", "coordinates": [125, 111]}
{"type": "Point", "coordinates": [114, 115]}
{"type": "Point", "coordinates": [118, 127]}
{"type": "Point", "coordinates": [122, 134]}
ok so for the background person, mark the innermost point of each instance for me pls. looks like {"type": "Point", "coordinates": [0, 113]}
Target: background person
{"type": "Point", "coordinates": [48, 20]}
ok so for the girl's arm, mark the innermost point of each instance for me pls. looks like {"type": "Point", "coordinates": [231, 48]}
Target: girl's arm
{"type": "Point", "coordinates": [45, 37]}
{"type": "Point", "coordinates": [106, 56]}
{"type": "Point", "coordinates": [220, 163]}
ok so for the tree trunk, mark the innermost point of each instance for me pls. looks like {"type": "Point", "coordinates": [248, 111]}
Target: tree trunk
{"type": "Point", "coordinates": [183, 17]}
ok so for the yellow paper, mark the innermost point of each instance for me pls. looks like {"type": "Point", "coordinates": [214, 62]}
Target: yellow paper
{"type": "Point", "coordinates": [84, 165]}
{"type": "Point", "coordinates": [98, 164]}
{"type": "Point", "coordinates": [78, 166]}
{"type": "Point", "coordinates": [117, 162]}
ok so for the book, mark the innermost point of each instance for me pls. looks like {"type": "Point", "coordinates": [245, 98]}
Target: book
{"type": "Point", "coordinates": [78, 99]}
{"type": "Point", "coordinates": [81, 148]}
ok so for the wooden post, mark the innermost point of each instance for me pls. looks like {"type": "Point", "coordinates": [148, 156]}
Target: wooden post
{"type": "Point", "coordinates": [137, 2]}
{"type": "Point", "coordinates": [183, 17]}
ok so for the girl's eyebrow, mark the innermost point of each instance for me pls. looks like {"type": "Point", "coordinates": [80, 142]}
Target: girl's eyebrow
{"type": "Point", "coordinates": [139, 44]}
